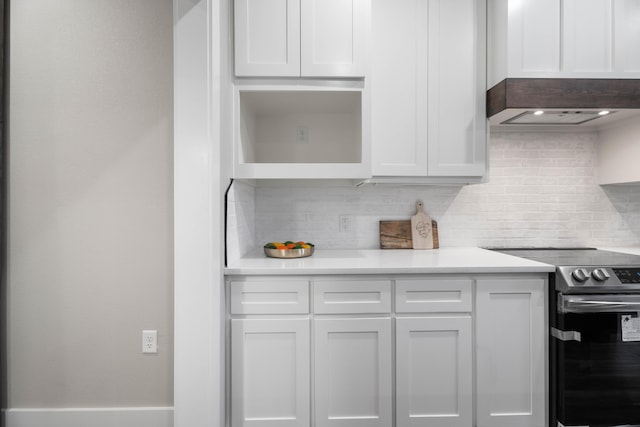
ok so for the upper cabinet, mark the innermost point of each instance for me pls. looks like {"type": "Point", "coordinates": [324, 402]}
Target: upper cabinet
{"type": "Point", "coordinates": [301, 38]}
{"type": "Point", "coordinates": [355, 89]}
{"type": "Point", "coordinates": [563, 38]}
{"type": "Point", "coordinates": [310, 131]}
{"type": "Point", "coordinates": [302, 102]}
{"type": "Point", "coordinates": [428, 89]}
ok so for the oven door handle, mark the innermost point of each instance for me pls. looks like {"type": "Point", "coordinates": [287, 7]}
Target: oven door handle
{"type": "Point", "coordinates": [598, 303]}
{"type": "Point", "coordinates": [566, 335]}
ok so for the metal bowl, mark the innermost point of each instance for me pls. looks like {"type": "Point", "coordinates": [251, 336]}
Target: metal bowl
{"type": "Point", "coordinates": [289, 253]}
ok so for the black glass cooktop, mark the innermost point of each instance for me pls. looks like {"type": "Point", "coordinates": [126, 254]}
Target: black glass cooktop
{"type": "Point", "coordinates": [573, 256]}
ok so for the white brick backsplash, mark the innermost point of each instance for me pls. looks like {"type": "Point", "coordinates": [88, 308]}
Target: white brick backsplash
{"type": "Point", "coordinates": [241, 221]}
{"type": "Point", "coordinates": [542, 191]}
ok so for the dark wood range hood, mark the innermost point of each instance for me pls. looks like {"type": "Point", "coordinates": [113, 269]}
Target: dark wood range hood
{"type": "Point", "coordinates": [562, 101]}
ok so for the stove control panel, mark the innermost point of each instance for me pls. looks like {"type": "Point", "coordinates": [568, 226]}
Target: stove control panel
{"type": "Point", "coordinates": [628, 275]}
{"type": "Point", "coordinates": [597, 279]}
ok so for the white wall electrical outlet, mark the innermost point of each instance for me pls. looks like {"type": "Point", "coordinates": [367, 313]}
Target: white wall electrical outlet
{"type": "Point", "coordinates": [302, 134]}
{"type": "Point", "coordinates": [149, 341]}
{"type": "Point", "coordinates": [345, 223]}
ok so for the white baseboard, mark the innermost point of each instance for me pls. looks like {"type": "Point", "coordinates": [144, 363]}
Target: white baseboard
{"type": "Point", "coordinates": [89, 417]}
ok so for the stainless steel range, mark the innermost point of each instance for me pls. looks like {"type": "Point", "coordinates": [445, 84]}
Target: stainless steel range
{"type": "Point", "coordinates": [594, 320]}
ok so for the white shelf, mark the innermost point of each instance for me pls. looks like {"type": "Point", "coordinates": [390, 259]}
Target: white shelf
{"type": "Point", "coordinates": [299, 131]}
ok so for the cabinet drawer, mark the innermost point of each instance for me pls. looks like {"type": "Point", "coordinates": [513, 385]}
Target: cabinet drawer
{"type": "Point", "coordinates": [269, 297]}
{"type": "Point", "coordinates": [352, 296]}
{"type": "Point", "coordinates": [433, 296]}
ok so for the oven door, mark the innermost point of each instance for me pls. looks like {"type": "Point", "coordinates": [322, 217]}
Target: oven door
{"type": "Point", "coordinates": [596, 360]}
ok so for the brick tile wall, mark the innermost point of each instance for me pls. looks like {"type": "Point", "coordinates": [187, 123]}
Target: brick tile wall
{"type": "Point", "coordinates": [542, 191]}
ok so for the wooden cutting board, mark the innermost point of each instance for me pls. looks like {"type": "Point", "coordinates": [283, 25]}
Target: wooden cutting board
{"type": "Point", "coordinates": [397, 234]}
{"type": "Point", "coordinates": [421, 231]}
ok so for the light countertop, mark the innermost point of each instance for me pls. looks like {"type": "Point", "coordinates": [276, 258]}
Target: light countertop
{"type": "Point", "coordinates": [389, 261]}
{"type": "Point", "coordinates": [633, 250]}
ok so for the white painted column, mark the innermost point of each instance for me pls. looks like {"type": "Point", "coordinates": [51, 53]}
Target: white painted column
{"type": "Point", "coordinates": [199, 191]}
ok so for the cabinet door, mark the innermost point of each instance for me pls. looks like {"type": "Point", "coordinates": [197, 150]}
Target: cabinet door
{"type": "Point", "coordinates": [588, 36]}
{"type": "Point", "coordinates": [511, 353]}
{"type": "Point", "coordinates": [627, 36]}
{"type": "Point", "coordinates": [270, 371]}
{"type": "Point", "coordinates": [267, 37]}
{"type": "Point", "coordinates": [533, 37]}
{"type": "Point", "coordinates": [434, 372]}
{"type": "Point", "coordinates": [457, 140]}
{"type": "Point", "coordinates": [334, 37]}
{"type": "Point", "coordinates": [399, 87]}
{"type": "Point", "coordinates": [352, 372]}
{"type": "Point", "coordinates": [428, 88]}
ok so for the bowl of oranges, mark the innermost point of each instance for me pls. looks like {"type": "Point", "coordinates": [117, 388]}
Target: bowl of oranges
{"type": "Point", "coordinates": [288, 249]}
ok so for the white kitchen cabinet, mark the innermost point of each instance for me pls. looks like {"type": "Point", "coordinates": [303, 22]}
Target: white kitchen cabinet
{"type": "Point", "coordinates": [308, 38]}
{"type": "Point", "coordinates": [353, 372]}
{"type": "Point", "coordinates": [434, 358]}
{"type": "Point", "coordinates": [434, 352]}
{"type": "Point", "coordinates": [511, 352]}
{"type": "Point", "coordinates": [352, 352]}
{"type": "Point", "coordinates": [428, 89]}
{"type": "Point", "coordinates": [382, 351]}
{"type": "Point", "coordinates": [270, 372]}
{"type": "Point", "coordinates": [563, 38]}
{"type": "Point", "coordinates": [272, 347]}
{"type": "Point", "coordinates": [302, 131]}
{"type": "Point", "coordinates": [267, 37]}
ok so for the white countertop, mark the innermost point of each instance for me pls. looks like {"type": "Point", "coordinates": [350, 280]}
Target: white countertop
{"type": "Point", "coordinates": [390, 261]}
{"type": "Point", "coordinates": [633, 250]}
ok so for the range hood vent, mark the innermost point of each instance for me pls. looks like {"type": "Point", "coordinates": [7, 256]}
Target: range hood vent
{"type": "Point", "coordinates": [552, 117]}
{"type": "Point", "coordinates": [562, 102]}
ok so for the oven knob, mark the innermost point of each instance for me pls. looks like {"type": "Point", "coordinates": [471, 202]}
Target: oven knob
{"type": "Point", "coordinates": [600, 274]}
{"type": "Point", "coordinates": [580, 275]}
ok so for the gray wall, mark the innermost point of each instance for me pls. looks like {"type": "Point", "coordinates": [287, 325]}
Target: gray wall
{"type": "Point", "coordinates": [90, 203]}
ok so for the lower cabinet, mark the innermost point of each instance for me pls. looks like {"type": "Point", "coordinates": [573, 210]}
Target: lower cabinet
{"type": "Point", "coordinates": [511, 353]}
{"type": "Point", "coordinates": [352, 372]}
{"type": "Point", "coordinates": [270, 370]}
{"type": "Point", "coordinates": [434, 360]}
{"type": "Point", "coordinates": [398, 352]}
